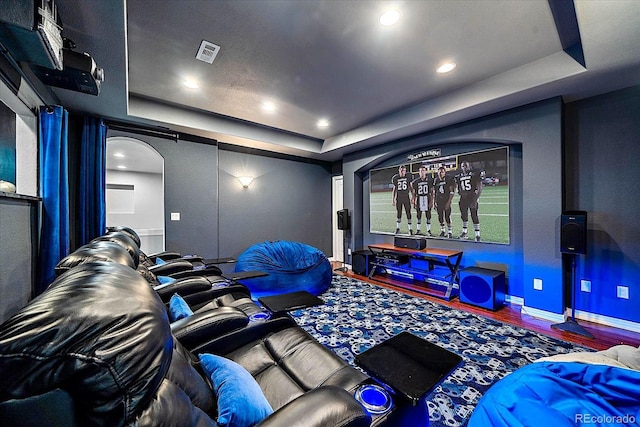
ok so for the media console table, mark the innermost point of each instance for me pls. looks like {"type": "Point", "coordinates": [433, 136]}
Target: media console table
{"type": "Point", "coordinates": [430, 271]}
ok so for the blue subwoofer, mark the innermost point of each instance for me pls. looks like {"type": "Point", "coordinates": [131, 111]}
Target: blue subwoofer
{"type": "Point", "coordinates": [482, 287]}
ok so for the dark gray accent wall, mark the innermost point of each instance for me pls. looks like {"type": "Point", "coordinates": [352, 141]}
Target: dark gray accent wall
{"type": "Point", "coordinates": [190, 188]}
{"type": "Point", "coordinates": [602, 156]}
{"type": "Point", "coordinates": [536, 199]}
{"type": "Point", "coordinates": [288, 200]}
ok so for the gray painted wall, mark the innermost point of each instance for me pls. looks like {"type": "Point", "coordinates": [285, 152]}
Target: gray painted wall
{"type": "Point", "coordinates": [288, 200]}
{"type": "Point", "coordinates": [602, 176]}
{"type": "Point", "coordinates": [190, 188]}
{"type": "Point", "coordinates": [536, 197]}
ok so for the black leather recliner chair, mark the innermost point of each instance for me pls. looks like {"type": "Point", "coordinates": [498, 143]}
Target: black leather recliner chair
{"type": "Point", "coordinates": [151, 258]}
{"type": "Point", "coordinates": [174, 263]}
{"type": "Point", "coordinates": [96, 348]}
{"type": "Point", "coordinates": [200, 292]}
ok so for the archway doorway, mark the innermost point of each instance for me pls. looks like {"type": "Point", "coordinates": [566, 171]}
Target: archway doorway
{"type": "Point", "coordinates": [135, 190]}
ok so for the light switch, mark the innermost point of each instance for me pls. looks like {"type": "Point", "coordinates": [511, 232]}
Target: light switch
{"type": "Point", "coordinates": [537, 284]}
{"type": "Point", "coordinates": [622, 292]}
{"type": "Point", "coordinates": [175, 216]}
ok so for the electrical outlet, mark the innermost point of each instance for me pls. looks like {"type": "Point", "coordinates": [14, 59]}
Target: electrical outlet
{"type": "Point", "coordinates": [537, 284]}
{"type": "Point", "coordinates": [348, 251]}
{"type": "Point", "coordinates": [622, 292]}
{"type": "Point", "coordinates": [175, 216]}
{"type": "Point", "coordinates": [585, 285]}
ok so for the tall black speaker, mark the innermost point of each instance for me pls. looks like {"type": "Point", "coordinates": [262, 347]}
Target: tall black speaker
{"type": "Point", "coordinates": [343, 219]}
{"type": "Point", "coordinates": [573, 232]}
{"type": "Point", "coordinates": [482, 287]}
{"type": "Point", "coordinates": [361, 262]}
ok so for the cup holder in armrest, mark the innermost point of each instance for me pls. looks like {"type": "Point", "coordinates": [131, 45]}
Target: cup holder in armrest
{"type": "Point", "coordinates": [374, 398]}
{"type": "Point", "coordinates": [262, 316]}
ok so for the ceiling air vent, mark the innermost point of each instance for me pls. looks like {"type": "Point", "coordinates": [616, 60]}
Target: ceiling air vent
{"type": "Point", "coordinates": [207, 52]}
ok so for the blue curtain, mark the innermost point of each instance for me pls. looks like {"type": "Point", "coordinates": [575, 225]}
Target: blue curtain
{"type": "Point", "coordinates": [54, 189]}
{"type": "Point", "coordinates": [92, 186]}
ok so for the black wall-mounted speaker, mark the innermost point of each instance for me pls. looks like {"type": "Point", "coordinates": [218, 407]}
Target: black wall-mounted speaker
{"type": "Point", "coordinates": [361, 262]}
{"type": "Point", "coordinates": [573, 232]}
{"type": "Point", "coordinates": [482, 287]}
{"type": "Point", "coordinates": [343, 219]}
{"type": "Point", "coordinates": [409, 242]}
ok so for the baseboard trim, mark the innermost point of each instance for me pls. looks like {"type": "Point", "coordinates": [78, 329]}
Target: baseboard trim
{"type": "Point", "coordinates": [542, 314]}
{"type": "Point", "coordinates": [513, 300]}
{"type": "Point", "coordinates": [606, 320]}
{"type": "Point", "coordinates": [580, 315]}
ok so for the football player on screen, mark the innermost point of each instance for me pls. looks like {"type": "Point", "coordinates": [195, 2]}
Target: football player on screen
{"type": "Point", "coordinates": [469, 184]}
{"type": "Point", "coordinates": [444, 189]}
{"type": "Point", "coordinates": [400, 196]}
{"type": "Point", "coordinates": [422, 198]}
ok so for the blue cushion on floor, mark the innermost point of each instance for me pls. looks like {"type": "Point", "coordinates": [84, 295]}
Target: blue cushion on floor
{"type": "Point", "coordinates": [291, 267]}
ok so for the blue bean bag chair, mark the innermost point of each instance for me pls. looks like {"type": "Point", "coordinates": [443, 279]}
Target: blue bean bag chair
{"type": "Point", "coordinates": [561, 394]}
{"type": "Point", "coordinates": [291, 267]}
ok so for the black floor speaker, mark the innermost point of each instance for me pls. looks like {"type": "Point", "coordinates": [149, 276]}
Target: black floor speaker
{"type": "Point", "coordinates": [343, 219]}
{"type": "Point", "coordinates": [573, 232]}
{"type": "Point", "coordinates": [361, 262]}
{"type": "Point", "coordinates": [482, 287]}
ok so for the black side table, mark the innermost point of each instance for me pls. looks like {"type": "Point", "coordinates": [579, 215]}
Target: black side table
{"type": "Point", "coordinates": [411, 367]}
{"type": "Point", "coordinates": [290, 301]}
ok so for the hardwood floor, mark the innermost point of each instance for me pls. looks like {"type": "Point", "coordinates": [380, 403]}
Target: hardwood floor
{"type": "Point", "coordinates": [604, 336]}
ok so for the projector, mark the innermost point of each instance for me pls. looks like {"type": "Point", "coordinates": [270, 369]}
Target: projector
{"type": "Point", "coordinates": [79, 73]}
{"type": "Point", "coordinates": [31, 31]}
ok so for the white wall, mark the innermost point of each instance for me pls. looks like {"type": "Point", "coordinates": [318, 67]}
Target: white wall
{"type": "Point", "coordinates": [26, 155]}
{"type": "Point", "coordinates": [147, 217]}
{"type": "Point", "coordinates": [26, 142]}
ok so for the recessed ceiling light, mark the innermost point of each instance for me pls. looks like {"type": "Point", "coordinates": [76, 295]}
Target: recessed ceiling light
{"type": "Point", "coordinates": [191, 84]}
{"type": "Point", "coordinates": [445, 68]}
{"type": "Point", "coordinates": [322, 123]}
{"type": "Point", "coordinates": [390, 17]}
{"type": "Point", "coordinates": [122, 167]}
{"type": "Point", "coordinates": [268, 106]}
{"type": "Point", "coordinates": [118, 155]}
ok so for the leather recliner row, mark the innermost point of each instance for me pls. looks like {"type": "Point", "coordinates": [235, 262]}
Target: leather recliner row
{"type": "Point", "coordinates": [200, 291]}
{"type": "Point", "coordinates": [100, 337]}
{"type": "Point", "coordinates": [167, 263]}
{"type": "Point", "coordinates": [97, 348]}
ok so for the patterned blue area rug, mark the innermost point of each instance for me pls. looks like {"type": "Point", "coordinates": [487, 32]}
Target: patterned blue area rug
{"type": "Point", "coordinates": [358, 315]}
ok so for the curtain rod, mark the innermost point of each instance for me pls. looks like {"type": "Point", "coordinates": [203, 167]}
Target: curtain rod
{"type": "Point", "coordinates": [142, 130]}
{"type": "Point", "coordinates": [159, 132]}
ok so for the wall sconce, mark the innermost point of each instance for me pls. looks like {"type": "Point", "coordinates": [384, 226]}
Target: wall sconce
{"type": "Point", "coordinates": [245, 180]}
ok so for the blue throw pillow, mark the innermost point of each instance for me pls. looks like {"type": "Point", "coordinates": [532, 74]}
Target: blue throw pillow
{"type": "Point", "coordinates": [241, 402]}
{"type": "Point", "coordinates": [178, 308]}
{"type": "Point", "coordinates": [163, 280]}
